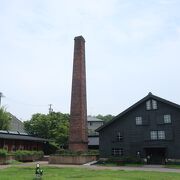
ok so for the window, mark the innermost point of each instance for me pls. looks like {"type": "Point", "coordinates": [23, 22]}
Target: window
{"type": "Point", "coordinates": [153, 135]}
{"type": "Point", "coordinates": [119, 136]}
{"type": "Point", "coordinates": [139, 120]}
{"type": "Point", "coordinates": [167, 118]}
{"type": "Point", "coordinates": [117, 151]}
{"type": "Point", "coordinates": [161, 135]}
{"type": "Point", "coordinates": [151, 104]}
{"type": "Point", "coordinates": [157, 135]}
{"type": "Point", "coordinates": [154, 104]}
{"type": "Point", "coordinates": [148, 105]}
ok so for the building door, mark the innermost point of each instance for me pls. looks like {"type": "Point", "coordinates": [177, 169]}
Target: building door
{"type": "Point", "coordinates": [155, 155]}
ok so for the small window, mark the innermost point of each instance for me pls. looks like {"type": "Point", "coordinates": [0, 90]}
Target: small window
{"type": "Point", "coordinates": [154, 104]}
{"type": "Point", "coordinates": [119, 136]}
{"type": "Point", "coordinates": [148, 105]}
{"type": "Point", "coordinates": [117, 151]}
{"type": "Point", "coordinates": [153, 135]}
{"type": "Point", "coordinates": [167, 118]}
{"type": "Point", "coordinates": [151, 104]}
{"type": "Point", "coordinates": [161, 135]}
{"type": "Point", "coordinates": [138, 120]}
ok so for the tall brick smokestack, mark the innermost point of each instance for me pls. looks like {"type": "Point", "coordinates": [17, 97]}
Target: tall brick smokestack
{"type": "Point", "coordinates": [78, 139]}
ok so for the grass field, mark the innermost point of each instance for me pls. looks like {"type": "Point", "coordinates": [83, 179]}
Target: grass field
{"type": "Point", "coordinates": [53, 173]}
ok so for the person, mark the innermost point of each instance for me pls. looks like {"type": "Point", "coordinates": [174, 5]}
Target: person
{"type": "Point", "coordinates": [148, 159]}
{"type": "Point", "coordinates": [38, 171]}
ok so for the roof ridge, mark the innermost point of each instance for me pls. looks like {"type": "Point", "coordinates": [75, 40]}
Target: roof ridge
{"type": "Point", "coordinates": [150, 95]}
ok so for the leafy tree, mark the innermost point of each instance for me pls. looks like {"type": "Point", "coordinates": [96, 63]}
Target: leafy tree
{"type": "Point", "coordinates": [5, 119]}
{"type": "Point", "coordinates": [53, 126]}
{"type": "Point", "coordinates": [105, 118]}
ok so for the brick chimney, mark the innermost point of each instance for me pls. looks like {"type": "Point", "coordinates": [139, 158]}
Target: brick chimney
{"type": "Point", "coordinates": [78, 138]}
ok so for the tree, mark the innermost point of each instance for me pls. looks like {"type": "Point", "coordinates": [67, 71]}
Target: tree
{"type": "Point", "coordinates": [53, 126]}
{"type": "Point", "coordinates": [5, 119]}
{"type": "Point", "coordinates": [105, 118]}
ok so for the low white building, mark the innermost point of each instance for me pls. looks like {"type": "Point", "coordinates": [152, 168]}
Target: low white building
{"type": "Point", "coordinates": [93, 136]}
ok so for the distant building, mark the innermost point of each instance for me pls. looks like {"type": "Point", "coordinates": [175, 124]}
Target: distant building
{"type": "Point", "coordinates": [93, 136]}
{"type": "Point", "coordinates": [16, 138]}
{"type": "Point", "coordinates": [148, 129]}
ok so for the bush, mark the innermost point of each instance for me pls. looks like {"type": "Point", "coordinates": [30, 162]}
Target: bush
{"type": "Point", "coordinates": [3, 153]}
{"type": "Point", "coordinates": [125, 160]}
{"type": "Point", "coordinates": [28, 155]}
{"type": "Point", "coordinates": [64, 152]}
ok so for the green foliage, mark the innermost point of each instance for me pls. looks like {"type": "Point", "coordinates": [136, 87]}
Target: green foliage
{"type": "Point", "coordinates": [5, 119]}
{"type": "Point", "coordinates": [53, 126]}
{"type": "Point", "coordinates": [124, 160]}
{"type": "Point", "coordinates": [50, 148]}
{"type": "Point", "coordinates": [3, 153]}
{"type": "Point", "coordinates": [64, 152]}
{"type": "Point", "coordinates": [25, 154]}
{"type": "Point", "coordinates": [105, 118]}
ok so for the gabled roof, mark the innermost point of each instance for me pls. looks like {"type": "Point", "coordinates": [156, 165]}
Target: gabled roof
{"type": "Point", "coordinates": [149, 96]}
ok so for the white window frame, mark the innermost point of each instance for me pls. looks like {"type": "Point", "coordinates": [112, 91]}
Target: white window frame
{"type": "Point", "coordinates": [158, 135]}
{"type": "Point", "coordinates": [117, 151]}
{"type": "Point", "coordinates": [148, 105]}
{"type": "Point", "coordinates": [154, 104]}
{"type": "Point", "coordinates": [153, 135]}
{"type": "Point", "coordinates": [138, 120]}
{"type": "Point", "coordinates": [151, 104]}
{"type": "Point", "coordinates": [161, 135]}
{"type": "Point", "coordinates": [167, 119]}
{"type": "Point", "coordinates": [119, 136]}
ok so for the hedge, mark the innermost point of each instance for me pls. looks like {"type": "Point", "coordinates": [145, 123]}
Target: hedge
{"type": "Point", "coordinates": [3, 153]}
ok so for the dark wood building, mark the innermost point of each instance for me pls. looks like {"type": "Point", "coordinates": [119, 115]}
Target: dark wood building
{"type": "Point", "coordinates": [149, 129]}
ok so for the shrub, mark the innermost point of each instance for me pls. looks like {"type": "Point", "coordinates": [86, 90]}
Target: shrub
{"type": "Point", "coordinates": [28, 155]}
{"type": "Point", "coordinates": [64, 152]}
{"type": "Point", "coordinates": [3, 153]}
{"type": "Point", "coordinates": [125, 160]}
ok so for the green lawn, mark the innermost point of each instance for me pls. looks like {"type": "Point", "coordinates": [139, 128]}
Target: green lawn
{"type": "Point", "coordinates": [53, 173]}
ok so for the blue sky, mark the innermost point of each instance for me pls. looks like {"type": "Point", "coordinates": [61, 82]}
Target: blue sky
{"type": "Point", "coordinates": [132, 48]}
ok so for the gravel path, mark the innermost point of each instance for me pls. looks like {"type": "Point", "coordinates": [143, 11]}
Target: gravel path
{"type": "Point", "coordinates": [157, 168]}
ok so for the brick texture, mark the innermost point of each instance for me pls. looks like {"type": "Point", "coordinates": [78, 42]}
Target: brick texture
{"type": "Point", "coordinates": [78, 139]}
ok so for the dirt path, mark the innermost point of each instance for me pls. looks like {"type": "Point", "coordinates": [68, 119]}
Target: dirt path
{"type": "Point", "coordinates": [157, 168]}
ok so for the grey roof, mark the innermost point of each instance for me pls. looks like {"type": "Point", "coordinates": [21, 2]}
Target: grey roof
{"type": "Point", "coordinates": [16, 124]}
{"type": "Point", "coordinates": [149, 96]}
{"type": "Point", "coordinates": [19, 136]}
{"type": "Point", "coordinates": [94, 119]}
